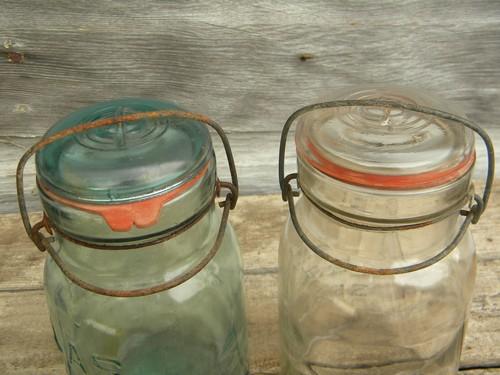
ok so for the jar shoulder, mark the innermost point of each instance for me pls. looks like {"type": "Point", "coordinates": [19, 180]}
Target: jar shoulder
{"type": "Point", "coordinates": [371, 248]}
{"type": "Point", "coordinates": [151, 265]}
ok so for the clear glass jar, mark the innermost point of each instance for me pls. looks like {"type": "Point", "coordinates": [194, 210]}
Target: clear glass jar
{"type": "Point", "coordinates": [381, 192]}
{"type": "Point", "coordinates": [144, 187]}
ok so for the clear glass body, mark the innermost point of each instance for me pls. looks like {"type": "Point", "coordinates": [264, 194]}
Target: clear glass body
{"type": "Point", "coordinates": [337, 322]}
{"type": "Point", "coordinates": [196, 328]}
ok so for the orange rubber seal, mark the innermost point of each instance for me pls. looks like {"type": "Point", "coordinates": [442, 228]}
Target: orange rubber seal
{"type": "Point", "coordinates": [396, 182]}
{"type": "Point", "coordinates": [123, 216]}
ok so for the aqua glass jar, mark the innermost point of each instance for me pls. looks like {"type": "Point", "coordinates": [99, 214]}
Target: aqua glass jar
{"type": "Point", "coordinates": [144, 274]}
{"type": "Point", "coordinates": [376, 262]}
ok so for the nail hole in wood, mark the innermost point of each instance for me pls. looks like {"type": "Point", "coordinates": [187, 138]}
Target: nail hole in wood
{"type": "Point", "coordinates": [306, 56]}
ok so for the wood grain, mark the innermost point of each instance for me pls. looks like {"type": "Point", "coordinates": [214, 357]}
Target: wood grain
{"type": "Point", "coordinates": [256, 156]}
{"type": "Point", "coordinates": [27, 348]}
{"type": "Point", "coordinates": [257, 170]}
{"type": "Point", "coordinates": [246, 64]}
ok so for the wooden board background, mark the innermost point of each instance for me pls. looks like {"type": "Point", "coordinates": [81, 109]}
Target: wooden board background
{"type": "Point", "coordinates": [27, 346]}
{"type": "Point", "coordinates": [247, 64]}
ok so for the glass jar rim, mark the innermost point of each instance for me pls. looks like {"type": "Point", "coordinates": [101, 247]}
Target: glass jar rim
{"type": "Point", "coordinates": [421, 180]}
{"type": "Point", "coordinates": [122, 216]}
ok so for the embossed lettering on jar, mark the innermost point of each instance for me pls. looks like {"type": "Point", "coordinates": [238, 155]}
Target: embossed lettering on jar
{"type": "Point", "coordinates": [377, 265]}
{"type": "Point", "coordinates": [144, 275]}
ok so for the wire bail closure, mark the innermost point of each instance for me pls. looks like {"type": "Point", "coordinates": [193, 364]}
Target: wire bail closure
{"type": "Point", "coordinates": [43, 243]}
{"type": "Point", "coordinates": [472, 215]}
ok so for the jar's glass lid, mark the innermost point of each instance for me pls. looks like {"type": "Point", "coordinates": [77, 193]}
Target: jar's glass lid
{"type": "Point", "coordinates": [126, 162]}
{"type": "Point", "coordinates": [384, 147]}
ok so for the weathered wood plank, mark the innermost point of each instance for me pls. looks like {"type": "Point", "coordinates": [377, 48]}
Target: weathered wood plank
{"type": "Point", "coordinates": [258, 221]}
{"type": "Point", "coordinates": [256, 156]}
{"type": "Point", "coordinates": [246, 64]}
{"type": "Point", "coordinates": [247, 80]}
{"type": "Point", "coordinates": [22, 264]}
{"type": "Point", "coordinates": [27, 346]}
{"type": "Point", "coordinates": [26, 341]}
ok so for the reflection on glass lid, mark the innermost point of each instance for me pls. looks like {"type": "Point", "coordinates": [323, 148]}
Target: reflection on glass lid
{"type": "Point", "coordinates": [125, 162]}
{"type": "Point", "coordinates": [385, 147]}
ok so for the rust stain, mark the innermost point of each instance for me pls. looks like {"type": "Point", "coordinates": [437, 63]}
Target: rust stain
{"type": "Point", "coordinates": [306, 56]}
{"type": "Point", "coordinates": [15, 57]}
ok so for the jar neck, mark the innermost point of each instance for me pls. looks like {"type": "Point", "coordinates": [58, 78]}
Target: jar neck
{"type": "Point", "coordinates": [89, 226]}
{"type": "Point", "coordinates": [142, 267]}
{"type": "Point", "coordinates": [372, 248]}
{"type": "Point", "coordinates": [383, 207]}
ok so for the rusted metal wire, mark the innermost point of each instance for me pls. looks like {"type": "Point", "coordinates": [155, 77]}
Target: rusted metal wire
{"type": "Point", "coordinates": [176, 281]}
{"type": "Point", "coordinates": [472, 215]}
{"type": "Point", "coordinates": [349, 220]}
{"type": "Point", "coordinates": [232, 187]}
{"type": "Point", "coordinates": [43, 243]}
{"type": "Point", "coordinates": [371, 270]}
{"type": "Point", "coordinates": [395, 105]}
{"type": "Point", "coordinates": [109, 122]}
{"type": "Point", "coordinates": [155, 239]}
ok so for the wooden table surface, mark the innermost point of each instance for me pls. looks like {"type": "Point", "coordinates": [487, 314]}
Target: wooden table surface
{"type": "Point", "coordinates": [27, 346]}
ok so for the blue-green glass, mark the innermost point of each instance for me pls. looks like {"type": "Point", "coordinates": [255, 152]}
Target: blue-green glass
{"type": "Point", "coordinates": [130, 161]}
{"type": "Point", "coordinates": [196, 328]}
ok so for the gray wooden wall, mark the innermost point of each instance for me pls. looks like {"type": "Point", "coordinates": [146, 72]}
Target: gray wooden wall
{"type": "Point", "coordinates": [247, 64]}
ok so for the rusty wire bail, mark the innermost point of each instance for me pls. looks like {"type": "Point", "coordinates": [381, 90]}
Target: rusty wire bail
{"type": "Point", "coordinates": [472, 215]}
{"type": "Point", "coordinates": [44, 243]}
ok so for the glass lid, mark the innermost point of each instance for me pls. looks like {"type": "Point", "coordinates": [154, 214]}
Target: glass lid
{"type": "Point", "coordinates": [126, 162]}
{"type": "Point", "coordinates": [385, 147]}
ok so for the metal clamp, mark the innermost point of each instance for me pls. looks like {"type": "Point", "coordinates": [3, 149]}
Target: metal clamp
{"type": "Point", "coordinates": [44, 243]}
{"type": "Point", "coordinates": [471, 216]}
